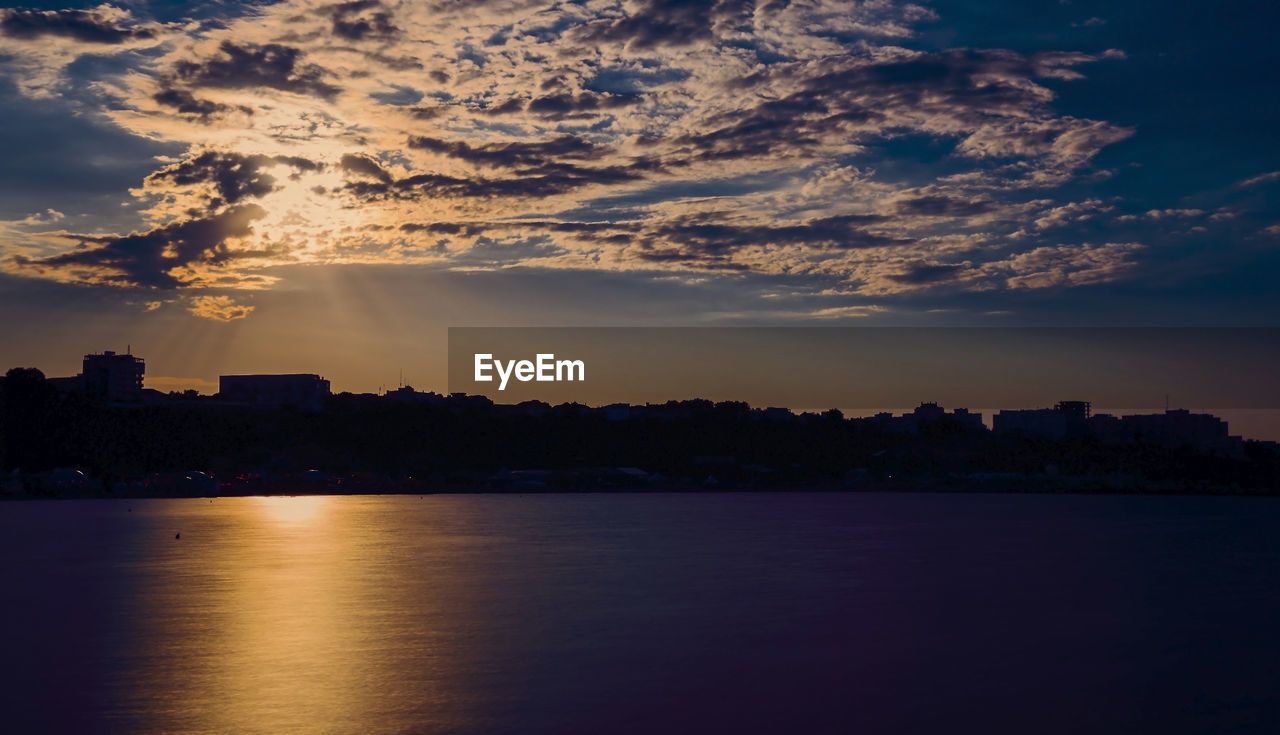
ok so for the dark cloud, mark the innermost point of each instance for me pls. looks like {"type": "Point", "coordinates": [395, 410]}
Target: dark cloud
{"type": "Point", "coordinates": [610, 232]}
{"type": "Point", "coordinates": [545, 180]}
{"type": "Point", "coordinates": [398, 95]}
{"type": "Point", "coordinates": [550, 163]}
{"type": "Point", "coordinates": [921, 273]}
{"type": "Point", "coordinates": [233, 175]}
{"type": "Point", "coordinates": [362, 166]}
{"type": "Point", "coordinates": [510, 106]}
{"type": "Point", "coordinates": [698, 238]}
{"type": "Point", "coordinates": [565, 106]}
{"type": "Point", "coordinates": [954, 92]}
{"type": "Point", "coordinates": [188, 104]}
{"type": "Point", "coordinates": [272, 65]}
{"type": "Point", "coordinates": [509, 155]}
{"type": "Point", "coordinates": [702, 242]}
{"type": "Point", "coordinates": [944, 206]}
{"type": "Point", "coordinates": [691, 259]}
{"type": "Point", "coordinates": [656, 23]}
{"type": "Point", "coordinates": [541, 169]}
{"type": "Point", "coordinates": [432, 186]}
{"type": "Point", "coordinates": [362, 20]}
{"type": "Point", "coordinates": [148, 259]}
{"type": "Point", "coordinates": [489, 253]}
{"type": "Point", "coordinates": [973, 79]}
{"type": "Point", "coordinates": [426, 113]}
{"type": "Point", "coordinates": [442, 228]}
{"type": "Point", "coordinates": [88, 26]}
{"type": "Point", "coordinates": [800, 121]}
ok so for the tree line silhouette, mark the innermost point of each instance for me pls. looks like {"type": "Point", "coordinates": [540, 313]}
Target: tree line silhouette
{"type": "Point", "coordinates": [460, 442]}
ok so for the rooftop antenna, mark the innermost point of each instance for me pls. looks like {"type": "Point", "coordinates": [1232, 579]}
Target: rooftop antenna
{"type": "Point", "coordinates": [401, 377]}
{"type": "Point", "coordinates": [1166, 403]}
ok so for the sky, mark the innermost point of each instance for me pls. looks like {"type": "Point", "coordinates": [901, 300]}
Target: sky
{"type": "Point", "coordinates": [228, 187]}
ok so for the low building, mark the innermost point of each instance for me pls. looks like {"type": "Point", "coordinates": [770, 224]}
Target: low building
{"type": "Point", "coordinates": [299, 390]}
{"type": "Point", "coordinates": [1047, 423]}
{"type": "Point", "coordinates": [927, 415]}
{"type": "Point", "coordinates": [1179, 427]}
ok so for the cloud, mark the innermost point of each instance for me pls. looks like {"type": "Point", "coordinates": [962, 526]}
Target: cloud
{"type": "Point", "coordinates": [695, 238]}
{"type": "Point", "coordinates": [40, 46]}
{"type": "Point", "coordinates": [219, 308]}
{"type": "Point", "coordinates": [158, 258]}
{"type": "Point", "coordinates": [362, 20]}
{"type": "Point", "coordinates": [104, 24]}
{"type": "Point", "coordinates": [986, 100]}
{"type": "Point", "coordinates": [542, 181]}
{"type": "Point", "coordinates": [365, 167]}
{"type": "Point", "coordinates": [250, 65]}
{"type": "Point", "coordinates": [848, 312]}
{"type": "Point", "coordinates": [815, 143]}
{"type": "Point", "coordinates": [511, 154]}
{"type": "Point", "coordinates": [188, 104]}
{"type": "Point", "coordinates": [944, 206]}
{"type": "Point", "coordinates": [1064, 265]}
{"type": "Point", "coordinates": [654, 23]}
{"type": "Point", "coordinates": [1174, 213]}
{"type": "Point", "coordinates": [920, 273]}
{"type": "Point", "coordinates": [1260, 179]}
{"type": "Point", "coordinates": [1058, 216]}
{"type": "Point", "coordinates": [568, 106]}
{"type": "Point", "coordinates": [233, 176]}
{"type": "Point", "coordinates": [37, 219]}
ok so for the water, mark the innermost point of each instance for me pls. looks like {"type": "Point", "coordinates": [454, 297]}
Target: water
{"type": "Point", "coordinates": [632, 613]}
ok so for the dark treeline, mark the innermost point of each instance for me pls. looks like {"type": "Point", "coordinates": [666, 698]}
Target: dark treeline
{"type": "Point", "coordinates": [462, 440]}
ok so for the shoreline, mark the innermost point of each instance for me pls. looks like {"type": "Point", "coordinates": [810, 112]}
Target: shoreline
{"type": "Point", "coordinates": [1034, 486]}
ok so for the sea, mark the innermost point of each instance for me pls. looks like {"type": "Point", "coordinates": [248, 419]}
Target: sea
{"type": "Point", "coordinates": [786, 612]}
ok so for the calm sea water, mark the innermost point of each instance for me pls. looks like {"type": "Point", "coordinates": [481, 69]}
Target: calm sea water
{"type": "Point", "coordinates": [641, 613]}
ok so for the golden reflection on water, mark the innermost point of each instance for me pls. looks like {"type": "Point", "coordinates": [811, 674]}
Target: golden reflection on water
{"type": "Point", "coordinates": [292, 510]}
{"type": "Point", "coordinates": [285, 622]}
{"type": "Point", "coordinates": [272, 615]}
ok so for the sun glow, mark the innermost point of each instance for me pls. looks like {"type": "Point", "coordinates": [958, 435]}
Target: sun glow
{"type": "Point", "coordinates": [293, 510]}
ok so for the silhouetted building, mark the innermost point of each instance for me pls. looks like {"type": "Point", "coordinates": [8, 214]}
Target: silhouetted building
{"type": "Point", "coordinates": [1077, 414]}
{"type": "Point", "coordinates": [1075, 410]}
{"type": "Point", "coordinates": [1066, 418]}
{"type": "Point", "coordinates": [406, 395]}
{"type": "Point", "coordinates": [968, 419]}
{"type": "Point", "coordinates": [1180, 428]}
{"type": "Point", "coordinates": [107, 377]}
{"type": "Point", "coordinates": [302, 390]}
{"type": "Point", "coordinates": [1049, 423]}
{"type": "Point", "coordinates": [928, 411]}
{"type": "Point", "coordinates": [924, 415]}
{"type": "Point", "coordinates": [1108, 428]}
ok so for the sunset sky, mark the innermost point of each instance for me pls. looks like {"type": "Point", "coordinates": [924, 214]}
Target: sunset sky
{"type": "Point", "coordinates": [319, 187]}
